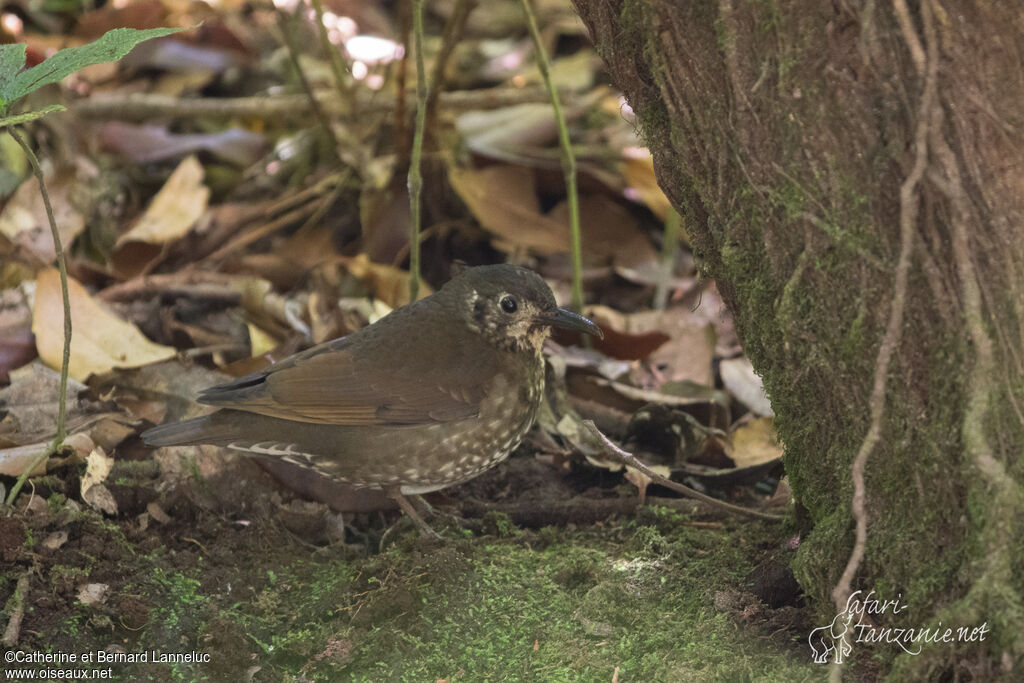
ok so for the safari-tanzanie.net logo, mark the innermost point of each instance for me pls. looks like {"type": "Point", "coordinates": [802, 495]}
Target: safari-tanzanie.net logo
{"type": "Point", "coordinates": [857, 624]}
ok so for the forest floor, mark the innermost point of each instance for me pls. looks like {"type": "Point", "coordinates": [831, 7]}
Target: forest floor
{"type": "Point", "coordinates": [666, 594]}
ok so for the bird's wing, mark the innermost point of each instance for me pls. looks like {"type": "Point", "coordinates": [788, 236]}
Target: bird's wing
{"type": "Point", "coordinates": [344, 383]}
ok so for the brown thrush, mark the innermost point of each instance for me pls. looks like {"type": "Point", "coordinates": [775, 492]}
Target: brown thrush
{"type": "Point", "coordinates": [430, 396]}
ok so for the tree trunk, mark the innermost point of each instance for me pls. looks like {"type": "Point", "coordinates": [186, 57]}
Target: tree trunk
{"type": "Point", "coordinates": [852, 174]}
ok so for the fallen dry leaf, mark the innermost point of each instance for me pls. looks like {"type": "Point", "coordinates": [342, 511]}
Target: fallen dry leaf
{"type": "Point", "coordinates": [509, 132]}
{"type": "Point", "coordinates": [17, 347]}
{"type": "Point", "coordinates": [94, 493]}
{"type": "Point", "coordinates": [623, 339]}
{"type": "Point", "coordinates": [144, 144]}
{"type": "Point", "coordinates": [688, 352]}
{"type": "Point", "coordinates": [504, 199]}
{"type": "Point", "coordinates": [610, 234]}
{"type": "Point", "coordinates": [24, 221]}
{"type": "Point", "coordinates": [739, 378]}
{"type": "Point", "coordinates": [260, 342]}
{"type": "Point", "coordinates": [30, 404]}
{"type": "Point", "coordinates": [755, 443]}
{"type": "Point", "coordinates": [14, 461]}
{"type": "Point", "coordinates": [389, 284]}
{"type": "Point", "coordinates": [100, 340]}
{"type": "Point", "coordinates": [93, 593]}
{"type": "Point", "coordinates": [174, 209]}
{"type": "Point", "coordinates": [642, 184]}
{"type": "Point", "coordinates": [384, 217]}
{"type": "Point", "coordinates": [171, 214]}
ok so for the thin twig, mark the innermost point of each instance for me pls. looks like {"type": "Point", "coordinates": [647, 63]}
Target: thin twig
{"type": "Point", "coordinates": [415, 172]}
{"type": "Point", "coordinates": [403, 143]}
{"type": "Point", "coordinates": [346, 88]}
{"type": "Point", "coordinates": [287, 23]}
{"type": "Point", "coordinates": [909, 199]}
{"type": "Point", "coordinates": [283, 108]}
{"type": "Point", "coordinates": [668, 258]}
{"type": "Point", "coordinates": [17, 612]}
{"type": "Point", "coordinates": [306, 207]}
{"type": "Point", "coordinates": [629, 460]}
{"type": "Point", "coordinates": [62, 402]}
{"type": "Point", "coordinates": [453, 30]}
{"type": "Point", "coordinates": [568, 158]}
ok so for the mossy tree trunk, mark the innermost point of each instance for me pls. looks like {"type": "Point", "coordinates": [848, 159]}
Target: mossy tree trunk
{"type": "Point", "coordinates": [852, 173]}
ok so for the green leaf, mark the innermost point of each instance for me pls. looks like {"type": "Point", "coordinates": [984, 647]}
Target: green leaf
{"type": "Point", "coordinates": [112, 46]}
{"type": "Point", "coordinates": [12, 58]}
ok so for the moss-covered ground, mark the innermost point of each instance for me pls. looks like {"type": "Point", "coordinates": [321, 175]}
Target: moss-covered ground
{"type": "Point", "coordinates": [663, 595]}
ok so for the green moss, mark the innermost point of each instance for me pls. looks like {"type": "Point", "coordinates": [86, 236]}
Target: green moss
{"type": "Point", "coordinates": [56, 502]}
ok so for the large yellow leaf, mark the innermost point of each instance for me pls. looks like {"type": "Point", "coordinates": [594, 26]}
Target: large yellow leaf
{"type": "Point", "coordinates": [100, 341]}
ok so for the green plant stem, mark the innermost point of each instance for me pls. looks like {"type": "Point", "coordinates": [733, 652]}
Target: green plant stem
{"type": "Point", "coordinates": [62, 402]}
{"type": "Point", "coordinates": [568, 158]}
{"type": "Point", "coordinates": [28, 117]}
{"type": "Point", "coordinates": [415, 173]}
{"type": "Point", "coordinates": [338, 67]}
{"type": "Point", "coordinates": [286, 23]}
{"type": "Point", "coordinates": [668, 258]}
{"type": "Point", "coordinates": [453, 30]}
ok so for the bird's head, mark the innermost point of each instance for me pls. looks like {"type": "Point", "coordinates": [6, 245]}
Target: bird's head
{"type": "Point", "coordinates": [511, 307]}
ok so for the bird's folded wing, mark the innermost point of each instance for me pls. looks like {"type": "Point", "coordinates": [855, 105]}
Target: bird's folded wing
{"type": "Point", "coordinates": [329, 385]}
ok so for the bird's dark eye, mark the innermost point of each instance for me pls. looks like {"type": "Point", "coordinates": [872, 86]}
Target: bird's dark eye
{"type": "Point", "coordinates": [508, 304]}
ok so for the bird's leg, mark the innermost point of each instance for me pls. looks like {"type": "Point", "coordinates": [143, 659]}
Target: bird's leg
{"type": "Point", "coordinates": [407, 507]}
{"type": "Point", "coordinates": [431, 511]}
{"type": "Point", "coordinates": [421, 502]}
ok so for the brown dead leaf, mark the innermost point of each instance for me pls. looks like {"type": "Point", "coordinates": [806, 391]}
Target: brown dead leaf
{"type": "Point", "coordinates": [174, 209]}
{"type": "Point", "coordinates": [642, 184]}
{"type": "Point", "coordinates": [389, 284]}
{"type": "Point", "coordinates": [610, 233]}
{"type": "Point", "coordinates": [641, 481]}
{"type": "Point", "coordinates": [754, 452]}
{"type": "Point", "coordinates": [101, 340]}
{"type": "Point", "coordinates": [14, 461]}
{"type": "Point", "coordinates": [24, 221]}
{"type": "Point", "coordinates": [504, 199]}
{"type": "Point", "coordinates": [622, 338]}
{"type": "Point", "coordinates": [171, 214]}
{"type": "Point", "coordinates": [159, 391]}
{"type": "Point", "coordinates": [384, 216]}
{"type": "Point", "coordinates": [689, 350]}
{"type": "Point", "coordinates": [755, 443]}
{"type": "Point", "coordinates": [142, 14]}
{"type": "Point", "coordinates": [17, 347]}
{"type": "Point", "coordinates": [30, 404]}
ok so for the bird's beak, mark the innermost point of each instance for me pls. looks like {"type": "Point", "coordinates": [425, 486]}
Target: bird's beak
{"type": "Point", "coordinates": [567, 320]}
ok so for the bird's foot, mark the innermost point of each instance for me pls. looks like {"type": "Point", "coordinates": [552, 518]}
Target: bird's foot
{"type": "Point", "coordinates": [429, 510]}
{"type": "Point", "coordinates": [408, 508]}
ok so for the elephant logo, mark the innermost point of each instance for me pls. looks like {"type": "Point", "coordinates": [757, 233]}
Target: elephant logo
{"type": "Point", "coordinates": [825, 640]}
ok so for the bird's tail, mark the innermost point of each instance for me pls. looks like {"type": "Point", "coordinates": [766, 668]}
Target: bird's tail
{"type": "Point", "coordinates": [203, 430]}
